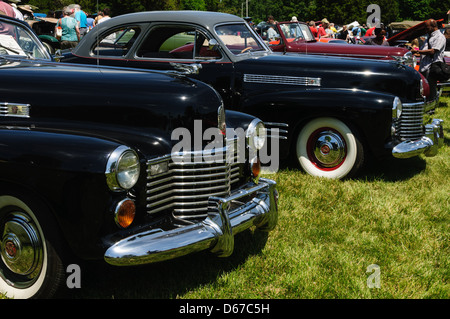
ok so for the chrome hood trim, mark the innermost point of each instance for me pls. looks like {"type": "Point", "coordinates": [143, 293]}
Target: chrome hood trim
{"type": "Point", "coordinates": [285, 80]}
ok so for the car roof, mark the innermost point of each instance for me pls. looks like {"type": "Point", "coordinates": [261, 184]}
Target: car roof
{"type": "Point", "coordinates": [205, 18]}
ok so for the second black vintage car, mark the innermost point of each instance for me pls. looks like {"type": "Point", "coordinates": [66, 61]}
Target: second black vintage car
{"type": "Point", "coordinates": [331, 112]}
{"type": "Point", "coordinates": [89, 167]}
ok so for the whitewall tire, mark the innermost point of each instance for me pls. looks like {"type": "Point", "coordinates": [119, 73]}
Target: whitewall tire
{"type": "Point", "coordinates": [327, 147]}
{"type": "Point", "coordinates": [29, 264]}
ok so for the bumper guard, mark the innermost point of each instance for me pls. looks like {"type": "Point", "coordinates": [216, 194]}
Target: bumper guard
{"type": "Point", "coordinates": [215, 233]}
{"type": "Point", "coordinates": [427, 145]}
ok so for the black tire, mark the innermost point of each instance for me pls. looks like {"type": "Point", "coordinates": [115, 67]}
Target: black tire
{"type": "Point", "coordinates": [30, 265]}
{"type": "Point", "coordinates": [327, 147]}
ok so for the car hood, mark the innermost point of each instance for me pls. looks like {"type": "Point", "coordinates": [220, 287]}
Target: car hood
{"type": "Point", "coordinates": [122, 101]}
{"type": "Point", "coordinates": [336, 72]}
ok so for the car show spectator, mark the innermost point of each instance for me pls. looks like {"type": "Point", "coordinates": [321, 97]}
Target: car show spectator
{"type": "Point", "coordinates": [70, 31]}
{"type": "Point", "coordinates": [432, 52]}
{"type": "Point", "coordinates": [321, 33]}
{"type": "Point", "coordinates": [343, 35]}
{"type": "Point", "coordinates": [105, 15]}
{"type": "Point", "coordinates": [81, 18]}
{"type": "Point", "coordinates": [19, 15]}
{"type": "Point", "coordinates": [380, 38]}
{"type": "Point", "coordinates": [312, 26]}
{"type": "Point", "coordinates": [7, 10]}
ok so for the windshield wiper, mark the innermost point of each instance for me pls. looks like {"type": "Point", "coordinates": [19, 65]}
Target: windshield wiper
{"type": "Point", "coordinates": [28, 53]}
{"type": "Point", "coordinates": [9, 49]}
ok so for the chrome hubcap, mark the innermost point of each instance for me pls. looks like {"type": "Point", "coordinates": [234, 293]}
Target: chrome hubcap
{"type": "Point", "coordinates": [327, 148]}
{"type": "Point", "coordinates": [21, 250]}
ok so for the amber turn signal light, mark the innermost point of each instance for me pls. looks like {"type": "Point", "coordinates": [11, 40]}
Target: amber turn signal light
{"type": "Point", "coordinates": [125, 213]}
{"type": "Point", "coordinates": [255, 165]}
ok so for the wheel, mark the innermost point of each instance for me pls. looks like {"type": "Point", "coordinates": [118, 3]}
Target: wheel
{"type": "Point", "coordinates": [29, 264]}
{"type": "Point", "coordinates": [326, 147]}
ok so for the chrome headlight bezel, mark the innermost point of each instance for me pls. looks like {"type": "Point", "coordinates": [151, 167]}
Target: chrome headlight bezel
{"type": "Point", "coordinates": [256, 134]}
{"type": "Point", "coordinates": [123, 169]}
{"type": "Point", "coordinates": [397, 108]}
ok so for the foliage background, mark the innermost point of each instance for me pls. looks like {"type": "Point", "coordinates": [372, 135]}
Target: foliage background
{"type": "Point", "coordinates": [335, 11]}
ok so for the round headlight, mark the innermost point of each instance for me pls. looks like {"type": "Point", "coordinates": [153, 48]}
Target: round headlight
{"type": "Point", "coordinates": [123, 169]}
{"type": "Point", "coordinates": [397, 108]}
{"type": "Point", "coordinates": [256, 134]}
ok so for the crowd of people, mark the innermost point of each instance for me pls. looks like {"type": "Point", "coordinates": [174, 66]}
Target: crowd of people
{"type": "Point", "coordinates": [76, 23]}
{"type": "Point", "coordinates": [72, 22]}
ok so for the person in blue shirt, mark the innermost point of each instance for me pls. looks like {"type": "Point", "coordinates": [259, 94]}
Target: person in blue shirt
{"type": "Point", "coordinates": [81, 17]}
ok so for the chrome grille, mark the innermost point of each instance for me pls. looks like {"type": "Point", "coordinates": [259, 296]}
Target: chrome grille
{"type": "Point", "coordinates": [410, 124]}
{"type": "Point", "coordinates": [185, 188]}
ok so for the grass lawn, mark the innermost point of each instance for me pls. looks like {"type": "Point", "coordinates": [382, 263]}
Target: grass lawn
{"type": "Point", "coordinates": [395, 216]}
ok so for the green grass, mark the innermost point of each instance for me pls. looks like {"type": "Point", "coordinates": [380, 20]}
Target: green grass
{"type": "Point", "coordinates": [396, 215]}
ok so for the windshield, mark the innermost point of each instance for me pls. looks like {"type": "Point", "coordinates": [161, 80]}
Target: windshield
{"type": "Point", "coordinates": [239, 39]}
{"type": "Point", "coordinates": [15, 40]}
{"type": "Point", "coordinates": [297, 32]}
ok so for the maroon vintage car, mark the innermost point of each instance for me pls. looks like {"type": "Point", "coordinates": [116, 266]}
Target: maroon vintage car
{"type": "Point", "coordinates": [297, 37]}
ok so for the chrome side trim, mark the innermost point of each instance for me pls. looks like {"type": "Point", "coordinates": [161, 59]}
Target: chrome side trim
{"type": "Point", "coordinates": [14, 110]}
{"type": "Point", "coordinates": [257, 205]}
{"type": "Point", "coordinates": [277, 130]}
{"type": "Point", "coordinates": [285, 80]}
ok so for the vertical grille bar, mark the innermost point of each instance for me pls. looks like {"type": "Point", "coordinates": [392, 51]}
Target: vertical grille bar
{"type": "Point", "coordinates": [410, 126]}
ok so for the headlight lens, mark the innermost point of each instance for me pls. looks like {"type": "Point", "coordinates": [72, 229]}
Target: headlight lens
{"type": "Point", "coordinates": [397, 108]}
{"type": "Point", "coordinates": [256, 134]}
{"type": "Point", "coordinates": [123, 169]}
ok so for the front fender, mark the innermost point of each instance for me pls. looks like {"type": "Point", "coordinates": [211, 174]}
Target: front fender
{"type": "Point", "coordinates": [68, 173]}
{"type": "Point", "coordinates": [369, 112]}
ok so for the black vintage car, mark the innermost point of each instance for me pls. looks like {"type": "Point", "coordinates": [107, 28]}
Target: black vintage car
{"type": "Point", "coordinates": [89, 164]}
{"type": "Point", "coordinates": [330, 111]}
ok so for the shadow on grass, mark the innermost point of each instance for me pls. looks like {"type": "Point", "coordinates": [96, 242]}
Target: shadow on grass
{"type": "Point", "coordinates": [167, 279]}
{"type": "Point", "coordinates": [389, 169]}
{"type": "Point", "coordinates": [392, 169]}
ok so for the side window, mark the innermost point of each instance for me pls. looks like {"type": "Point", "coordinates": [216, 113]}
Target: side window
{"type": "Point", "coordinates": [176, 42]}
{"type": "Point", "coordinates": [117, 42]}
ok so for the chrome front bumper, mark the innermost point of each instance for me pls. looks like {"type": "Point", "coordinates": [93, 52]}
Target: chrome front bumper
{"type": "Point", "coordinates": [215, 233]}
{"type": "Point", "coordinates": [427, 145]}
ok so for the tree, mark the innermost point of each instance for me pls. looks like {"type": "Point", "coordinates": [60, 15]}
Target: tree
{"type": "Point", "coordinates": [199, 5]}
